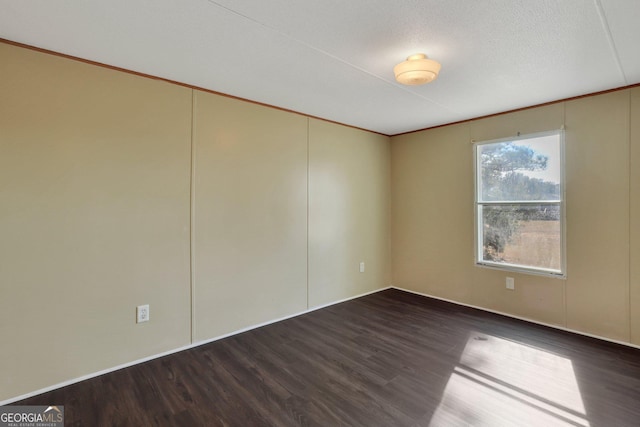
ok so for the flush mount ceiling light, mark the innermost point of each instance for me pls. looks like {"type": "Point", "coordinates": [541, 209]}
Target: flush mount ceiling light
{"type": "Point", "coordinates": [417, 70]}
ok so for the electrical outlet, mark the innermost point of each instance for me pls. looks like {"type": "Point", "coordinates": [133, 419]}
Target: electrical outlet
{"type": "Point", "coordinates": [142, 313]}
{"type": "Point", "coordinates": [362, 267]}
{"type": "Point", "coordinates": [511, 283]}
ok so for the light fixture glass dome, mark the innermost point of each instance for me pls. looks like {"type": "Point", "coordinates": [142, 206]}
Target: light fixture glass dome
{"type": "Point", "coordinates": [417, 70]}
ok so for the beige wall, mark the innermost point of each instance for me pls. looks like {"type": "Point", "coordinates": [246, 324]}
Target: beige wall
{"type": "Point", "coordinates": [94, 218]}
{"type": "Point", "coordinates": [117, 190]}
{"type": "Point", "coordinates": [432, 218]}
{"type": "Point", "coordinates": [349, 223]}
{"type": "Point", "coordinates": [597, 159]}
{"type": "Point", "coordinates": [250, 215]}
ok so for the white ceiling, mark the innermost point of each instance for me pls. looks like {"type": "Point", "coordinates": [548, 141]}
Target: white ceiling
{"type": "Point", "coordinates": [334, 58]}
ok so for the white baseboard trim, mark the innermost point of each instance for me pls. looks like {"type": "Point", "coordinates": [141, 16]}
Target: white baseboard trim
{"type": "Point", "coordinates": [177, 350]}
{"type": "Point", "coordinates": [562, 328]}
{"type": "Point", "coordinates": [93, 375]}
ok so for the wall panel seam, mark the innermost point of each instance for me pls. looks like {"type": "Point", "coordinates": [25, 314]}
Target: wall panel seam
{"type": "Point", "coordinates": [308, 200]}
{"type": "Point", "coordinates": [192, 212]}
{"type": "Point", "coordinates": [629, 305]}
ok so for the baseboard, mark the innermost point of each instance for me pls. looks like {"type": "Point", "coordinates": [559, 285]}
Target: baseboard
{"type": "Point", "coordinates": [93, 375]}
{"type": "Point", "coordinates": [179, 349]}
{"type": "Point", "coordinates": [513, 316]}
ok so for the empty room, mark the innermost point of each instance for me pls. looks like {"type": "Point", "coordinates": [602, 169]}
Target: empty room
{"type": "Point", "coordinates": [320, 213]}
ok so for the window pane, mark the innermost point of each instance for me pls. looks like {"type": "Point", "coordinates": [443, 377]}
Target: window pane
{"type": "Point", "coordinates": [526, 235]}
{"type": "Point", "coordinates": [527, 169]}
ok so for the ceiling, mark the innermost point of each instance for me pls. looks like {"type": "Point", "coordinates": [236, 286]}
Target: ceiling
{"type": "Point", "coordinates": [334, 59]}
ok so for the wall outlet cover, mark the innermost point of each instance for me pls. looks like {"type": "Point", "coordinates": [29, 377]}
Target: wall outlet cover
{"type": "Point", "coordinates": [511, 283]}
{"type": "Point", "coordinates": [142, 313]}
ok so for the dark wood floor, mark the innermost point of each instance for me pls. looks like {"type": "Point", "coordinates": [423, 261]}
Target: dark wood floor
{"type": "Point", "coordinates": [387, 359]}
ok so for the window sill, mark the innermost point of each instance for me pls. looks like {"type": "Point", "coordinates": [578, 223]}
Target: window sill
{"type": "Point", "coordinates": [553, 274]}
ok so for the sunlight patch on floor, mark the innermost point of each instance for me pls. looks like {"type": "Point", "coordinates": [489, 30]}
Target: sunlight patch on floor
{"type": "Point", "coordinates": [502, 382]}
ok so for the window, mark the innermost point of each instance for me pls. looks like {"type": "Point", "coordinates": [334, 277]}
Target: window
{"type": "Point", "coordinates": [520, 203]}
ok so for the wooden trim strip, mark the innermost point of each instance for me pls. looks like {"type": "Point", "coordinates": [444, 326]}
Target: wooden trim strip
{"type": "Point", "coordinates": [544, 104]}
{"type": "Point", "coordinates": [193, 87]}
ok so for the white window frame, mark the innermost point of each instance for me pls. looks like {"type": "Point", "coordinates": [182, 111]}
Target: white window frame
{"type": "Point", "coordinates": [478, 238]}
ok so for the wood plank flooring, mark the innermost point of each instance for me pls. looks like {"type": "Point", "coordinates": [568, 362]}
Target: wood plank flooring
{"type": "Point", "coordinates": [387, 359]}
